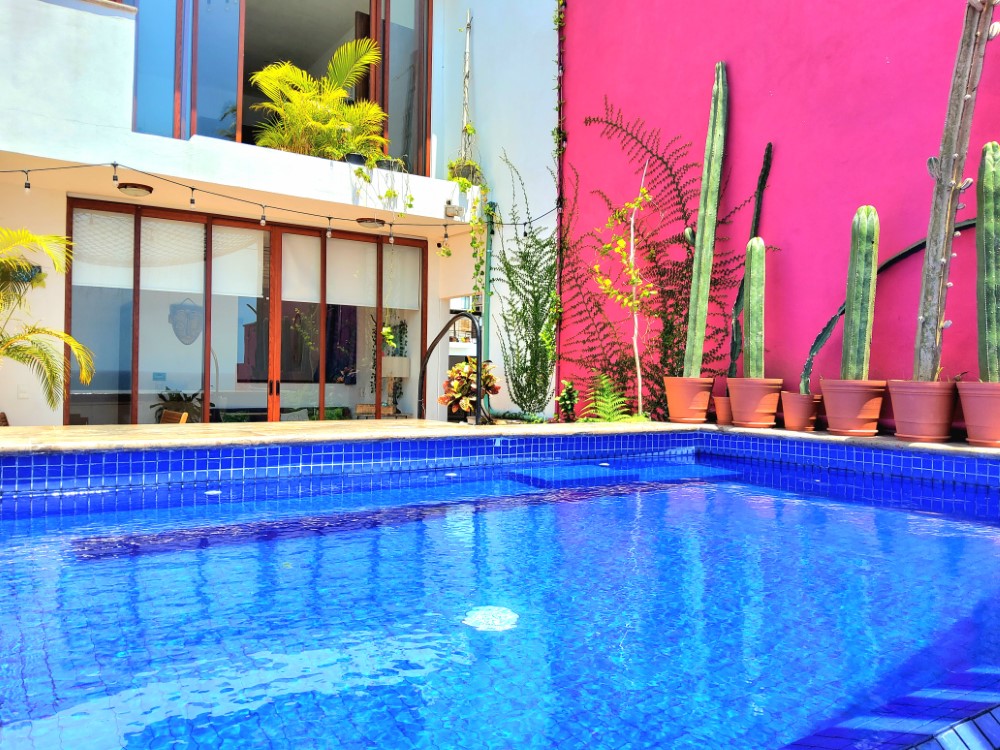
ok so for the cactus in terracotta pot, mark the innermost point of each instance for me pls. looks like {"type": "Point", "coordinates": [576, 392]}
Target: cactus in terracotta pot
{"type": "Point", "coordinates": [754, 398]}
{"type": "Point", "coordinates": [981, 400]}
{"type": "Point", "coordinates": [853, 403]}
{"type": "Point", "coordinates": [688, 396]}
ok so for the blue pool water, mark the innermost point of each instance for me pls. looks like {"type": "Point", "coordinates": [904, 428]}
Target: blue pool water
{"type": "Point", "coordinates": [647, 604]}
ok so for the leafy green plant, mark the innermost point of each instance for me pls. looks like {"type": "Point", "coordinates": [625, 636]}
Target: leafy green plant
{"type": "Point", "coordinates": [317, 116]}
{"type": "Point", "coordinates": [460, 385]}
{"type": "Point", "coordinates": [529, 304]}
{"type": "Point", "coordinates": [37, 347]}
{"type": "Point", "coordinates": [567, 400]}
{"type": "Point", "coordinates": [192, 403]}
{"type": "Point", "coordinates": [605, 403]}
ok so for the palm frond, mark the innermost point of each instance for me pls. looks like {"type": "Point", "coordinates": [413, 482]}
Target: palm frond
{"type": "Point", "coordinates": [38, 348]}
{"type": "Point", "coordinates": [14, 243]}
{"type": "Point", "coordinates": [350, 63]}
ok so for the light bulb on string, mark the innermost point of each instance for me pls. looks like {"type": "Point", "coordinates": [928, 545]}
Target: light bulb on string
{"type": "Point", "coordinates": [446, 233]}
{"type": "Point", "coordinates": [263, 215]}
{"type": "Point", "coordinates": [329, 227]}
{"type": "Point", "coordinates": [392, 237]}
{"type": "Point", "coordinates": [114, 177]}
{"type": "Point", "coordinates": [27, 182]}
{"type": "Point", "coordinates": [192, 196]}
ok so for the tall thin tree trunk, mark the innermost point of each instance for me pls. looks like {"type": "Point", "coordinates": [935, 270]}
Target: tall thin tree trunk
{"type": "Point", "coordinates": [635, 301]}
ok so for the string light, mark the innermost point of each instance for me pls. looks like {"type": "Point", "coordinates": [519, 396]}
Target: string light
{"type": "Point", "coordinates": [329, 227]}
{"type": "Point", "coordinates": [263, 215]}
{"type": "Point", "coordinates": [392, 237]}
{"type": "Point", "coordinates": [330, 219]}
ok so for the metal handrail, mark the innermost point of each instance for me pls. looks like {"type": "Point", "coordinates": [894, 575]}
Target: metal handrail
{"type": "Point", "coordinates": [477, 408]}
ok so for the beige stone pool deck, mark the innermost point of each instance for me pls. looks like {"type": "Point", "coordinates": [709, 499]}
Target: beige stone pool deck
{"type": "Point", "coordinates": [19, 440]}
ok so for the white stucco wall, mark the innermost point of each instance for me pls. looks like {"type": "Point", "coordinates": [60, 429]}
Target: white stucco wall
{"type": "Point", "coordinates": [512, 102]}
{"type": "Point", "coordinates": [68, 100]}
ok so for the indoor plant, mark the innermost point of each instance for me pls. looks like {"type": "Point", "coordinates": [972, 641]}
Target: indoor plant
{"type": "Point", "coordinates": [688, 396]}
{"type": "Point", "coordinates": [981, 399]}
{"type": "Point", "coordinates": [853, 403]}
{"type": "Point", "coordinates": [754, 398]}
{"type": "Point", "coordinates": [460, 387]}
{"type": "Point", "coordinates": [924, 407]}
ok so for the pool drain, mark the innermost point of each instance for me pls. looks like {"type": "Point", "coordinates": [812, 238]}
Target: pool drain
{"type": "Point", "coordinates": [490, 618]}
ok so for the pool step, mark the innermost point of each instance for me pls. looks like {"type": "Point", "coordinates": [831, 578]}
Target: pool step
{"type": "Point", "coordinates": [558, 477]}
{"type": "Point", "coordinates": [960, 713]}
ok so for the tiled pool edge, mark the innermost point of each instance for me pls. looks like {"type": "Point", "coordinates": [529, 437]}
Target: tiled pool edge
{"type": "Point", "coordinates": [26, 473]}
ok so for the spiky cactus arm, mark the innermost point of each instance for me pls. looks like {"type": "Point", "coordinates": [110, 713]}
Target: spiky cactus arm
{"type": "Point", "coordinates": [947, 170]}
{"type": "Point", "coordinates": [753, 310]}
{"type": "Point", "coordinates": [987, 260]}
{"type": "Point", "coordinates": [708, 217]}
{"type": "Point", "coordinates": [860, 304]}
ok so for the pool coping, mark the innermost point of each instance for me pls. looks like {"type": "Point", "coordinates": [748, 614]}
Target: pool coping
{"type": "Point", "coordinates": [82, 438]}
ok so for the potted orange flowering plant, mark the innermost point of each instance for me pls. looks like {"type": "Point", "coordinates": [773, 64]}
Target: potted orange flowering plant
{"type": "Point", "coordinates": [460, 387]}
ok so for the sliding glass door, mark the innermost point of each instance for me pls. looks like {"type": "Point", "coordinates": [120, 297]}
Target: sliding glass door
{"type": "Point", "coordinates": [233, 322]}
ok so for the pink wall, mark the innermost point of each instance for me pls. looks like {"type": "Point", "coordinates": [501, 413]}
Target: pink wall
{"type": "Point", "coordinates": [853, 96]}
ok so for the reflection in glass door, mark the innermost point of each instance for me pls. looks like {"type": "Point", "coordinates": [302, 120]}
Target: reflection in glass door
{"type": "Point", "coordinates": [241, 299]}
{"type": "Point", "coordinates": [300, 326]}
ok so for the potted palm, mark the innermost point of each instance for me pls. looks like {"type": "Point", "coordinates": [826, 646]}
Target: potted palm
{"type": "Point", "coordinates": [753, 397]}
{"type": "Point", "coordinates": [317, 116]}
{"type": "Point", "coordinates": [924, 407]}
{"type": "Point", "coordinates": [853, 403]}
{"type": "Point", "coordinates": [688, 396]}
{"type": "Point", "coordinates": [981, 400]}
{"type": "Point", "coordinates": [30, 344]}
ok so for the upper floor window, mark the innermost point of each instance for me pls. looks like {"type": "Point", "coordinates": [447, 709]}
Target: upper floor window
{"type": "Point", "coordinates": [194, 60]}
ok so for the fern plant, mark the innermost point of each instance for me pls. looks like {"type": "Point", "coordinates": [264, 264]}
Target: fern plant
{"type": "Point", "coordinates": [605, 403]}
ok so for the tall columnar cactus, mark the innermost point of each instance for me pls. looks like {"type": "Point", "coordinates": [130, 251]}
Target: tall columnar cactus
{"type": "Point", "coordinates": [947, 169]}
{"type": "Point", "coordinates": [987, 261]}
{"type": "Point", "coordinates": [860, 303]}
{"type": "Point", "coordinates": [708, 219]}
{"type": "Point", "coordinates": [753, 310]}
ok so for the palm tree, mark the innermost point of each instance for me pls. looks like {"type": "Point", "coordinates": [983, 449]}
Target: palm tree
{"type": "Point", "coordinates": [35, 346]}
{"type": "Point", "coordinates": [317, 117]}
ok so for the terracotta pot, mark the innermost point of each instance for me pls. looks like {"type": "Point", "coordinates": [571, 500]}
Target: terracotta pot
{"type": "Point", "coordinates": [923, 411]}
{"type": "Point", "coordinates": [687, 399]}
{"type": "Point", "coordinates": [800, 410]}
{"type": "Point", "coordinates": [723, 410]}
{"type": "Point", "coordinates": [853, 406]}
{"type": "Point", "coordinates": [981, 404]}
{"type": "Point", "coordinates": [754, 401]}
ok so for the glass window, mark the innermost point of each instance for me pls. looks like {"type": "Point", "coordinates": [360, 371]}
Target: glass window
{"type": "Point", "coordinates": [156, 42]}
{"type": "Point", "coordinates": [241, 263]}
{"type": "Point", "coordinates": [217, 82]}
{"type": "Point", "coordinates": [101, 315]}
{"type": "Point", "coordinates": [300, 353]}
{"type": "Point", "coordinates": [405, 81]}
{"type": "Point", "coordinates": [351, 298]}
{"type": "Point", "coordinates": [171, 318]}
{"type": "Point", "coordinates": [400, 330]}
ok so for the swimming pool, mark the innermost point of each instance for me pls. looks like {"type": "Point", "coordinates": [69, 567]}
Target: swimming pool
{"type": "Point", "coordinates": [658, 602]}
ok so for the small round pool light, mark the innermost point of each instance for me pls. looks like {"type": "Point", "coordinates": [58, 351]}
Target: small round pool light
{"type": "Point", "coordinates": [491, 619]}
